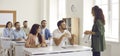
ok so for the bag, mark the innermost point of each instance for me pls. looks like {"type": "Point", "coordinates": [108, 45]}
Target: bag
{"type": "Point", "coordinates": [86, 40]}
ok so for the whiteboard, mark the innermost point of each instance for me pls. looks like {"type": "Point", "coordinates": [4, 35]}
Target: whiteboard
{"type": "Point", "coordinates": [5, 17]}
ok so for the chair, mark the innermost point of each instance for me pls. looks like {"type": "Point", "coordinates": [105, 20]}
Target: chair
{"type": "Point", "coordinates": [5, 44]}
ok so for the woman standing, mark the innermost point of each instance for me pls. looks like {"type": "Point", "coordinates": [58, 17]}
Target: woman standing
{"type": "Point", "coordinates": [97, 38]}
{"type": "Point", "coordinates": [34, 38]}
{"type": "Point", "coordinates": [8, 31]}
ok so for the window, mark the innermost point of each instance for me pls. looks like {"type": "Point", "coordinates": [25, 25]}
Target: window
{"type": "Point", "coordinates": [88, 18]}
{"type": "Point", "coordinates": [111, 12]}
{"type": "Point", "coordinates": [57, 11]}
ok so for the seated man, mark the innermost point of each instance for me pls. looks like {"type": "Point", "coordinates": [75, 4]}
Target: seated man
{"type": "Point", "coordinates": [45, 31]}
{"type": "Point", "coordinates": [25, 27]}
{"type": "Point", "coordinates": [61, 36]}
{"type": "Point", "coordinates": [18, 33]}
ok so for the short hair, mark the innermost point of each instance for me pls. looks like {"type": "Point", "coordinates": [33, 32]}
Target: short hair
{"type": "Point", "coordinates": [25, 21]}
{"type": "Point", "coordinates": [8, 23]}
{"type": "Point", "coordinates": [60, 22]}
{"type": "Point", "coordinates": [43, 21]}
{"type": "Point", "coordinates": [16, 23]}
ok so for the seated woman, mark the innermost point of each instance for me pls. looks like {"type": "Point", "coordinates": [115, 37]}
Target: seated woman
{"type": "Point", "coordinates": [8, 31]}
{"type": "Point", "coordinates": [35, 39]}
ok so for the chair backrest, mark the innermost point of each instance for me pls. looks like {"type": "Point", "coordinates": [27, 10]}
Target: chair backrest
{"type": "Point", "coordinates": [0, 34]}
{"type": "Point", "coordinates": [5, 43]}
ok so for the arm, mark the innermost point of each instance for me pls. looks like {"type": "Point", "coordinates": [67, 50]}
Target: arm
{"type": "Point", "coordinates": [30, 43]}
{"type": "Point", "coordinates": [49, 34]}
{"type": "Point", "coordinates": [27, 42]}
{"type": "Point", "coordinates": [89, 32]}
{"type": "Point", "coordinates": [98, 29]}
{"type": "Point", "coordinates": [5, 33]}
{"type": "Point", "coordinates": [58, 40]}
{"type": "Point", "coordinates": [71, 37]}
{"type": "Point", "coordinates": [24, 35]}
{"type": "Point", "coordinates": [43, 44]}
{"type": "Point", "coordinates": [71, 40]}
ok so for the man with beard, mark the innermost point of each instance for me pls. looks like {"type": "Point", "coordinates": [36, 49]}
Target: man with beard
{"type": "Point", "coordinates": [61, 36]}
{"type": "Point", "coordinates": [18, 33]}
{"type": "Point", "coordinates": [45, 31]}
{"type": "Point", "coordinates": [25, 27]}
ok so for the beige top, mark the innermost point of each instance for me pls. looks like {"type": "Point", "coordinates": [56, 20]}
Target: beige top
{"type": "Point", "coordinates": [26, 30]}
{"type": "Point", "coordinates": [31, 41]}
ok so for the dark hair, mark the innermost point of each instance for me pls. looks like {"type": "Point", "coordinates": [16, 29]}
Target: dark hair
{"type": "Point", "coordinates": [60, 22]}
{"type": "Point", "coordinates": [102, 16]}
{"type": "Point", "coordinates": [16, 23]}
{"type": "Point", "coordinates": [43, 21]}
{"type": "Point", "coordinates": [7, 24]}
{"type": "Point", "coordinates": [98, 14]}
{"type": "Point", "coordinates": [34, 32]}
{"type": "Point", "coordinates": [25, 21]}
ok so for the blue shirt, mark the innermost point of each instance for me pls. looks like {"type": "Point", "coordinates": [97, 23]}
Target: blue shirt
{"type": "Point", "coordinates": [8, 32]}
{"type": "Point", "coordinates": [19, 34]}
{"type": "Point", "coordinates": [46, 33]}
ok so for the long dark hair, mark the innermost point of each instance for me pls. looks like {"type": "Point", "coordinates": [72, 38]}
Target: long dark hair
{"type": "Point", "coordinates": [34, 32]}
{"type": "Point", "coordinates": [98, 14]}
{"type": "Point", "coordinates": [7, 24]}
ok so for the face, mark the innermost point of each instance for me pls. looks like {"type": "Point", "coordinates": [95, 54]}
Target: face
{"type": "Point", "coordinates": [44, 23]}
{"type": "Point", "coordinates": [25, 24]}
{"type": "Point", "coordinates": [9, 25]}
{"type": "Point", "coordinates": [17, 26]}
{"type": "Point", "coordinates": [63, 26]}
{"type": "Point", "coordinates": [38, 30]}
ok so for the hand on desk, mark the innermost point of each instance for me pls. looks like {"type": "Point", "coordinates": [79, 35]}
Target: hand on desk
{"type": "Point", "coordinates": [41, 45]}
{"type": "Point", "coordinates": [20, 39]}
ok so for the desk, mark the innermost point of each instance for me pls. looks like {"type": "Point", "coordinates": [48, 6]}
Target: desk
{"type": "Point", "coordinates": [18, 48]}
{"type": "Point", "coordinates": [15, 48]}
{"type": "Point", "coordinates": [59, 51]}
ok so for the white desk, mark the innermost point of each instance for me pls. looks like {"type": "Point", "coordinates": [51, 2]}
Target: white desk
{"type": "Point", "coordinates": [15, 47]}
{"type": "Point", "coordinates": [18, 48]}
{"type": "Point", "coordinates": [58, 51]}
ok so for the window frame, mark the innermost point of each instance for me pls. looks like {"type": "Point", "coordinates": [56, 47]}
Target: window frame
{"type": "Point", "coordinates": [108, 38]}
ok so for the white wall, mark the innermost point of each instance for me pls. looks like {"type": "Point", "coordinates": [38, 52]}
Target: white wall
{"type": "Point", "coordinates": [31, 10]}
{"type": "Point", "coordinates": [78, 11]}
{"type": "Point", "coordinates": [78, 8]}
{"type": "Point", "coordinates": [88, 18]}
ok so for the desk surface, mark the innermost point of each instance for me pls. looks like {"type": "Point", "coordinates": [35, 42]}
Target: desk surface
{"type": "Point", "coordinates": [56, 49]}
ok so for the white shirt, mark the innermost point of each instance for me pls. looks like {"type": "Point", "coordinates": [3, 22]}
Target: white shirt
{"type": "Point", "coordinates": [36, 41]}
{"type": "Point", "coordinates": [58, 34]}
{"type": "Point", "coordinates": [43, 31]}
